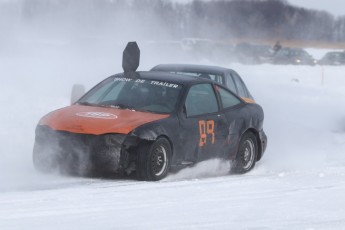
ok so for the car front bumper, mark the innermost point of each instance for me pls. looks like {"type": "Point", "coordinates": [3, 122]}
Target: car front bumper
{"type": "Point", "coordinates": [79, 153]}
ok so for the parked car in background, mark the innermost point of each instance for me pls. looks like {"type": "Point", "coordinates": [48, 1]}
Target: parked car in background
{"type": "Point", "coordinates": [333, 58]}
{"type": "Point", "coordinates": [253, 53]}
{"type": "Point", "coordinates": [293, 56]}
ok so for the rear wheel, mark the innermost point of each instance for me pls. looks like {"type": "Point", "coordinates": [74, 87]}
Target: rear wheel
{"type": "Point", "coordinates": [153, 161]}
{"type": "Point", "coordinates": [246, 155]}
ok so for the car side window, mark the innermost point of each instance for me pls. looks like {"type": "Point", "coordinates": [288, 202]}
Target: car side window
{"type": "Point", "coordinates": [103, 91]}
{"type": "Point", "coordinates": [242, 92]}
{"type": "Point", "coordinates": [201, 99]}
{"type": "Point", "coordinates": [218, 78]}
{"type": "Point", "coordinates": [230, 83]}
{"type": "Point", "coordinates": [228, 99]}
{"type": "Point", "coordinates": [114, 92]}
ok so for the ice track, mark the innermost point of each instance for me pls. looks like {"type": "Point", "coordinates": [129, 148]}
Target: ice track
{"type": "Point", "coordinates": [258, 200]}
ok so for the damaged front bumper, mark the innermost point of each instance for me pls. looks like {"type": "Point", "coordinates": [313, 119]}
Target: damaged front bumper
{"type": "Point", "coordinates": [81, 153]}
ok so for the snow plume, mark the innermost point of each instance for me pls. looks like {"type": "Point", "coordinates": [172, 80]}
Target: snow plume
{"type": "Point", "coordinates": [70, 159]}
{"type": "Point", "coordinates": [210, 168]}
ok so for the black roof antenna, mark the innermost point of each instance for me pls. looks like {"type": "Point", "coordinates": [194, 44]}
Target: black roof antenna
{"type": "Point", "coordinates": [131, 57]}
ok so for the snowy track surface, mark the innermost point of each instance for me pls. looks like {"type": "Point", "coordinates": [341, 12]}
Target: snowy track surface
{"type": "Point", "coordinates": [257, 201]}
{"type": "Point", "coordinates": [299, 183]}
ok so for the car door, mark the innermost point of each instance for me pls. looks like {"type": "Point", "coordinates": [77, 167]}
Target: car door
{"type": "Point", "coordinates": [234, 111]}
{"type": "Point", "coordinates": [203, 126]}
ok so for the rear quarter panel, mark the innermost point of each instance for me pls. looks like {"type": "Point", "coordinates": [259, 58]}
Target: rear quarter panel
{"type": "Point", "coordinates": [247, 116]}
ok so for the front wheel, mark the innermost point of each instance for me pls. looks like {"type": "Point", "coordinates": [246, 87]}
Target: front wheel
{"type": "Point", "coordinates": [246, 155]}
{"type": "Point", "coordinates": [153, 162]}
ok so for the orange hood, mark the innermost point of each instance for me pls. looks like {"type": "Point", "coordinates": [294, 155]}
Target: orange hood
{"type": "Point", "coordinates": [97, 120]}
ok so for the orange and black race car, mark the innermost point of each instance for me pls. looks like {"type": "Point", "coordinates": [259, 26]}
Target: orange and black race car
{"type": "Point", "coordinates": [150, 123]}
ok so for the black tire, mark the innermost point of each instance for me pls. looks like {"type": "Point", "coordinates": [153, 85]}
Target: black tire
{"type": "Point", "coordinates": [153, 161]}
{"type": "Point", "coordinates": [247, 154]}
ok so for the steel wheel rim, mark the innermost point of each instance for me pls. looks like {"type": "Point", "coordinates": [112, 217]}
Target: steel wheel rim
{"type": "Point", "coordinates": [159, 160]}
{"type": "Point", "coordinates": [248, 154]}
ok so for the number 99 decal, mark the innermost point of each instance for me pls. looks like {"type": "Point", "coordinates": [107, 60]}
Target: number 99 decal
{"type": "Point", "coordinates": [206, 128]}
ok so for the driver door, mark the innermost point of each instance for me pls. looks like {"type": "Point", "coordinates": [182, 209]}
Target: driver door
{"type": "Point", "coordinates": [203, 126]}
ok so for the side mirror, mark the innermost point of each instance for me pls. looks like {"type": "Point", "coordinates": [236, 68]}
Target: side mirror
{"type": "Point", "coordinates": [77, 92]}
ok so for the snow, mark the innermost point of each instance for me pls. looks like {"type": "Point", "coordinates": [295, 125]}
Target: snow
{"type": "Point", "coordinates": [299, 183]}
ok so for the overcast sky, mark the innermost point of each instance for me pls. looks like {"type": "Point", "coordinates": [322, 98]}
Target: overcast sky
{"type": "Point", "coordinates": [335, 7]}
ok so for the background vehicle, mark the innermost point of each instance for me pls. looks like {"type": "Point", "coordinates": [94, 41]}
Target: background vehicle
{"type": "Point", "coordinates": [333, 58]}
{"type": "Point", "coordinates": [253, 53]}
{"type": "Point", "coordinates": [293, 56]}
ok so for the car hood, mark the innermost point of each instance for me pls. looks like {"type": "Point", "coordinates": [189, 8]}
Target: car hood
{"type": "Point", "coordinates": [97, 120]}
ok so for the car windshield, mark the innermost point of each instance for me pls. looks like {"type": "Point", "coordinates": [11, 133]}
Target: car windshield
{"type": "Point", "coordinates": [134, 94]}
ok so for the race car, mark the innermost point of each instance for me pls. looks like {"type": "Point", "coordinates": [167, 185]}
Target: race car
{"type": "Point", "coordinates": [149, 124]}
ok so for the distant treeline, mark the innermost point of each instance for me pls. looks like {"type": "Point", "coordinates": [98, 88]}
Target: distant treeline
{"type": "Point", "coordinates": [152, 19]}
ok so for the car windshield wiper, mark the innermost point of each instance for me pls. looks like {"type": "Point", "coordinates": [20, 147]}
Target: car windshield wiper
{"type": "Point", "coordinates": [118, 106]}
{"type": "Point", "coordinates": [86, 103]}
{"type": "Point", "coordinates": [152, 111]}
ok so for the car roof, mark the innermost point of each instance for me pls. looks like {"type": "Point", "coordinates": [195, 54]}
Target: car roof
{"type": "Point", "coordinates": [191, 68]}
{"type": "Point", "coordinates": [164, 76]}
